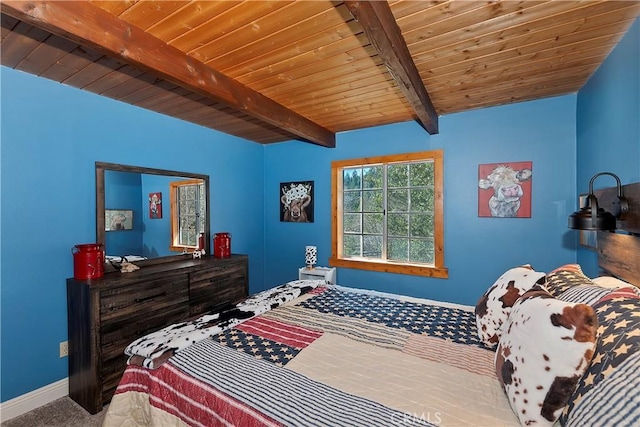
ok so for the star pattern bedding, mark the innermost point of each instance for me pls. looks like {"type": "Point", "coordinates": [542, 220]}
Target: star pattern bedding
{"type": "Point", "coordinates": [608, 392]}
{"type": "Point", "coordinates": [333, 356]}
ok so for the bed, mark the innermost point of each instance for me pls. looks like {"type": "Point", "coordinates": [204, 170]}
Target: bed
{"type": "Point", "coordinates": [309, 353]}
{"type": "Point", "coordinates": [330, 356]}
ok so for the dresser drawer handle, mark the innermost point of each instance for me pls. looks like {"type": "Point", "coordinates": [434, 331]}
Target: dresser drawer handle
{"type": "Point", "coordinates": [161, 294]}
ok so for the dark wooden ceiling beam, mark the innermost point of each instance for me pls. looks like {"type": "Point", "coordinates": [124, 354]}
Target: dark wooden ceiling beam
{"type": "Point", "coordinates": [385, 36]}
{"type": "Point", "coordinates": [91, 26]}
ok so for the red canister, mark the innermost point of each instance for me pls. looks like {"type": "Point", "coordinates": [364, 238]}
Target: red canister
{"type": "Point", "coordinates": [222, 245]}
{"type": "Point", "coordinates": [88, 261]}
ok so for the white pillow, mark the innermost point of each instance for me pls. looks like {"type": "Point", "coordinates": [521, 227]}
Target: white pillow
{"type": "Point", "coordinates": [492, 309]}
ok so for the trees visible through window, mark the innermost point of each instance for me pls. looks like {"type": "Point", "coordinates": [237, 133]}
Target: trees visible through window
{"type": "Point", "coordinates": [388, 214]}
{"type": "Point", "coordinates": [187, 213]}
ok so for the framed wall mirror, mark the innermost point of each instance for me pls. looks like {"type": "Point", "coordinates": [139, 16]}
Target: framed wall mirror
{"type": "Point", "coordinates": [150, 215]}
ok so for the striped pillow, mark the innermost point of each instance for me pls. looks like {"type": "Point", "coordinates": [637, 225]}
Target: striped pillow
{"type": "Point", "coordinates": [584, 294]}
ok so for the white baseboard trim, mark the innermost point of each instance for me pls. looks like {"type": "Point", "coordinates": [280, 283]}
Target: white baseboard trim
{"type": "Point", "coordinates": [34, 399]}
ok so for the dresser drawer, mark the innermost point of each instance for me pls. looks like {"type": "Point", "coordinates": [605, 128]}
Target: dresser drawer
{"type": "Point", "coordinates": [231, 267]}
{"type": "Point", "coordinates": [121, 303]}
{"type": "Point", "coordinates": [213, 288]}
{"type": "Point", "coordinates": [116, 336]}
{"type": "Point", "coordinates": [110, 376]}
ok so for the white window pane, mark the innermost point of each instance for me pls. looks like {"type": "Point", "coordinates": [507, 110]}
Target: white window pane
{"type": "Point", "coordinates": [398, 175]}
{"type": "Point", "coordinates": [352, 201]}
{"type": "Point", "coordinates": [352, 223]}
{"type": "Point", "coordinates": [352, 245]}
{"type": "Point", "coordinates": [190, 192]}
{"type": "Point", "coordinates": [373, 223]}
{"type": "Point", "coordinates": [398, 225]}
{"type": "Point", "coordinates": [421, 250]}
{"type": "Point", "coordinates": [421, 200]}
{"type": "Point", "coordinates": [372, 201]}
{"type": "Point", "coordinates": [352, 179]}
{"type": "Point", "coordinates": [184, 236]}
{"type": "Point", "coordinates": [398, 200]}
{"type": "Point", "coordinates": [421, 174]}
{"type": "Point", "coordinates": [184, 223]}
{"type": "Point", "coordinates": [191, 238]}
{"type": "Point", "coordinates": [398, 249]}
{"type": "Point", "coordinates": [372, 177]}
{"type": "Point", "coordinates": [421, 225]}
{"type": "Point", "coordinates": [372, 246]}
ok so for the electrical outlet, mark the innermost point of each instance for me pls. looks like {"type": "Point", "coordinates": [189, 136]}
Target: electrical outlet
{"type": "Point", "coordinates": [64, 348]}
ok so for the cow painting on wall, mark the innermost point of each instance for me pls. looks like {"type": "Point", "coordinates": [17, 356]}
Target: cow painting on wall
{"type": "Point", "coordinates": [296, 201]}
{"type": "Point", "coordinates": [505, 190]}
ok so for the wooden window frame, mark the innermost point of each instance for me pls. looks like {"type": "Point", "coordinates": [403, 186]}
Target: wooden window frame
{"type": "Point", "coordinates": [175, 223]}
{"type": "Point", "coordinates": [437, 270]}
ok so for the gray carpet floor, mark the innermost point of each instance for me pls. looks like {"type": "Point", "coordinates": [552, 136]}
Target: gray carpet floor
{"type": "Point", "coordinates": [63, 412]}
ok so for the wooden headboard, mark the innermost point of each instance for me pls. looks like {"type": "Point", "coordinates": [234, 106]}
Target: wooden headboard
{"type": "Point", "coordinates": [619, 252]}
{"type": "Point", "coordinates": [619, 255]}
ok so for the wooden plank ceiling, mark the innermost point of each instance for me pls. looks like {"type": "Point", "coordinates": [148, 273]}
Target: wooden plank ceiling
{"type": "Point", "coordinates": [272, 71]}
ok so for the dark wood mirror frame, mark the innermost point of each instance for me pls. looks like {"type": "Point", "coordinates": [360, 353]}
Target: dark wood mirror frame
{"type": "Point", "coordinates": [101, 167]}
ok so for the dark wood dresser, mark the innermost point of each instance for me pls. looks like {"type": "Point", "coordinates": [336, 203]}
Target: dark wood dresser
{"type": "Point", "coordinates": [107, 314]}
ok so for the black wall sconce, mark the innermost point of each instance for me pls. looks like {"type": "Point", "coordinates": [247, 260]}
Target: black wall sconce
{"type": "Point", "coordinates": [591, 217]}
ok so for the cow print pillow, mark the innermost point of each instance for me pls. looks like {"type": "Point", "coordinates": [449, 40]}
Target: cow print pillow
{"type": "Point", "coordinates": [546, 347]}
{"type": "Point", "coordinates": [494, 306]}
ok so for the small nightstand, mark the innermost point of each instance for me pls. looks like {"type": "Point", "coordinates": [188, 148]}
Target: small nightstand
{"type": "Point", "coordinates": [318, 273]}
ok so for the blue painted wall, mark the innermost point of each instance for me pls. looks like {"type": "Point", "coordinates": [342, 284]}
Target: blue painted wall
{"type": "Point", "coordinates": [157, 231]}
{"type": "Point", "coordinates": [123, 193]}
{"type": "Point", "coordinates": [477, 250]}
{"type": "Point", "coordinates": [608, 125]}
{"type": "Point", "coordinates": [52, 135]}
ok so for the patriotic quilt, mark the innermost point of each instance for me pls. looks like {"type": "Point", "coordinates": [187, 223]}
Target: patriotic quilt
{"type": "Point", "coordinates": [154, 349]}
{"type": "Point", "coordinates": [332, 356]}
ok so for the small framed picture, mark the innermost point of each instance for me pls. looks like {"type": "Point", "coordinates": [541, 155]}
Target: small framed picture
{"type": "Point", "coordinates": [505, 190]}
{"type": "Point", "coordinates": [155, 205]}
{"type": "Point", "coordinates": [296, 201]}
{"type": "Point", "coordinates": [118, 219]}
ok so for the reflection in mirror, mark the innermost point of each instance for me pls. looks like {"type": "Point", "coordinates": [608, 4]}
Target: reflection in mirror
{"type": "Point", "coordinates": [166, 211]}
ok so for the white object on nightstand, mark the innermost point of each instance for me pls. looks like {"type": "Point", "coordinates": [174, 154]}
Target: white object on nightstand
{"type": "Point", "coordinates": [318, 273]}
